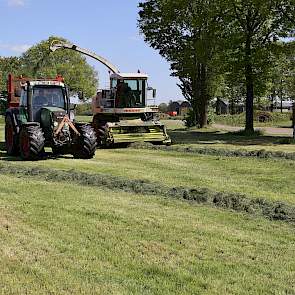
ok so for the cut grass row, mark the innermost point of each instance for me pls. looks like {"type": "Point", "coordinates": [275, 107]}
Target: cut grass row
{"type": "Point", "coordinates": [236, 202]}
{"type": "Point", "coordinates": [61, 238]}
{"type": "Point", "coordinates": [217, 151]}
{"type": "Point", "coordinates": [259, 178]}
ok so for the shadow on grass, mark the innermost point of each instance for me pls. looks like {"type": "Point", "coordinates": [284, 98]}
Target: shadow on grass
{"type": "Point", "coordinates": [47, 155]}
{"type": "Point", "coordinates": [211, 137]}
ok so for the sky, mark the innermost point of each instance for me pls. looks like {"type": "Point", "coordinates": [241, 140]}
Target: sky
{"type": "Point", "coordinates": [107, 27]}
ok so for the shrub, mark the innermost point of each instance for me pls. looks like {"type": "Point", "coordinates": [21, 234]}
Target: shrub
{"type": "Point", "coordinates": [84, 109]}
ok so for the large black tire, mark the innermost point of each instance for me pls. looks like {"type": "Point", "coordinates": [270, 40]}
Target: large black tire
{"type": "Point", "coordinates": [85, 145]}
{"type": "Point", "coordinates": [101, 131]}
{"type": "Point", "coordinates": [32, 141]}
{"type": "Point", "coordinates": [11, 137]}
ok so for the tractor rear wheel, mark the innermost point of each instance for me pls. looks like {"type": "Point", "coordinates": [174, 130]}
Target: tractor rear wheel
{"type": "Point", "coordinates": [32, 142]}
{"type": "Point", "coordinates": [85, 145]}
{"type": "Point", "coordinates": [101, 130]}
{"type": "Point", "coordinates": [10, 137]}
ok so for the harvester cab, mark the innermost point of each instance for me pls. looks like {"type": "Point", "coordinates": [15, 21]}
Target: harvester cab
{"type": "Point", "coordinates": [121, 114]}
{"type": "Point", "coordinates": [39, 115]}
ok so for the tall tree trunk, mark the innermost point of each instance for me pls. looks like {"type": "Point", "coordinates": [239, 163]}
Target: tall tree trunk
{"type": "Point", "coordinates": [194, 102]}
{"type": "Point", "coordinates": [203, 118]}
{"type": "Point", "coordinates": [281, 94]}
{"type": "Point", "coordinates": [249, 87]}
{"type": "Point", "coordinates": [203, 99]}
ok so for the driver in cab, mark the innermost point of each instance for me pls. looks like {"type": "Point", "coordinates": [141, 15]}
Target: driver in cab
{"type": "Point", "coordinates": [40, 99]}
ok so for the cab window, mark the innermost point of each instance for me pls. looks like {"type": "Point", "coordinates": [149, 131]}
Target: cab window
{"type": "Point", "coordinates": [23, 98]}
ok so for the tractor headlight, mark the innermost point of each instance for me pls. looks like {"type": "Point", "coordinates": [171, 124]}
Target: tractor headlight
{"type": "Point", "coordinates": [55, 124]}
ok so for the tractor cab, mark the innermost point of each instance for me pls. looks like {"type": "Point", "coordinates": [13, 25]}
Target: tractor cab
{"type": "Point", "coordinates": [42, 96]}
{"type": "Point", "coordinates": [128, 94]}
{"type": "Point", "coordinates": [129, 90]}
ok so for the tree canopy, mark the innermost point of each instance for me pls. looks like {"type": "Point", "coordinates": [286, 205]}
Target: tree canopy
{"type": "Point", "coordinates": [39, 62]}
{"type": "Point", "coordinates": [208, 42]}
{"type": "Point", "coordinates": [186, 33]}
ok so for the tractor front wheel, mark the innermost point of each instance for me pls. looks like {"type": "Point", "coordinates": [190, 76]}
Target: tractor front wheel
{"type": "Point", "coordinates": [32, 142]}
{"type": "Point", "coordinates": [10, 137]}
{"type": "Point", "coordinates": [85, 144]}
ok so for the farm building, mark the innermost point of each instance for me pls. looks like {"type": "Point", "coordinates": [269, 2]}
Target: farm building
{"type": "Point", "coordinates": [180, 107]}
{"type": "Point", "coordinates": [224, 107]}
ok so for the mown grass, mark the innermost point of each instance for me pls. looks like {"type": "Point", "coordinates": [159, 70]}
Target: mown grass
{"type": "Point", "coordinates": [65, 238]}
{"type": "Point", "coordinates": [68, 239]}
{"type": "Point", "coordinates": [231, 201]}
{"type": "Point", "coordinates": [260, 178]}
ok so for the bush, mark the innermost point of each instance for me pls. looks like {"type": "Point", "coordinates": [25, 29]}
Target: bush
{"type": "Point", "coordinates": [259, 116]}
{"type": "Point", "coordinates": [190, 119]}
{"type": "Point", "coordinates": [3, 102]}
{"type": "Point", "coordinates": [84, 109]}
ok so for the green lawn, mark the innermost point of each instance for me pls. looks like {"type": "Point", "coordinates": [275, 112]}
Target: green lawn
{"type": "Point", "coordinates": [267, 178]}
{"type": "Point", "coordinates": [64, 238]}
{"type": "Point", "coordinates": [61, 238]}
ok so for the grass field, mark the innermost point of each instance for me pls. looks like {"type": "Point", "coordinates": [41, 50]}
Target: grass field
{"type": "Point", "coordinates": [61, 237]}
{"type": "Point", "coordinates": [69, 239]}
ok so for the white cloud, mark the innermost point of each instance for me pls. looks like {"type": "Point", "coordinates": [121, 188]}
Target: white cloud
{"type": "Point", "coordinates": [16, 48]}
{"type": "Point", "coordinates": [16, 3]}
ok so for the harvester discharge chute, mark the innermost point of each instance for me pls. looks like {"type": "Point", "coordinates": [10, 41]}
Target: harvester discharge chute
{"type": "Point", "coordinates": [121, 114]}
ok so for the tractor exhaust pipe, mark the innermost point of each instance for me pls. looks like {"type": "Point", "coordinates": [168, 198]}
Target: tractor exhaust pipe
{"type": "Point", "coordinates": [30, 102]}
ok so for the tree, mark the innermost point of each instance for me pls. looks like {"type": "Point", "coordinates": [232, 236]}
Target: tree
{"type": "Point", "coordinates": [254, 28]}
{"type": "Point", "coordinates": [163, 107]}
{"type": "Point", "coordinates": [187, 34]}
{"type": "Point", "coordinates": [8, 65]}
{"type": "Point", "coordinates": [38, 62]}
{"type": "Point", "coordinates": [202, 39]}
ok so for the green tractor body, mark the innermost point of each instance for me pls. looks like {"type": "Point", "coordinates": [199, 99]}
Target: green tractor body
{"type": "Point", "coordinates": [39, 116]}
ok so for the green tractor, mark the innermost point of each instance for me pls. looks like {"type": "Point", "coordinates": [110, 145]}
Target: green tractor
{"type": "Point", "coordinates": [39, 116]}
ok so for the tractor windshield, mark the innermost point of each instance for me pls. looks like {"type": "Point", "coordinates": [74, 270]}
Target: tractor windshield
{"type": "Point", "coordinates": [130, 93]}
{"type": "Point", "coordinates": [53, 96]}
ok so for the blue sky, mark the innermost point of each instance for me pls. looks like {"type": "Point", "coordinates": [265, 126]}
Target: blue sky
{"type": "Point", "coordinates": [107, 27]}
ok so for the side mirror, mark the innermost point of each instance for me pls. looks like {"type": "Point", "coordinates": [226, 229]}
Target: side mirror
{"type": "Point", "coordinates": [81, 95]}
{"type": "Point", "coordinates": [154, 93]}
{"type": "Point", "coordinates": [17, 92]}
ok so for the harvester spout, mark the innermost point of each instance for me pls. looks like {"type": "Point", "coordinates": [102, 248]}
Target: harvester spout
{"type": "Point", "coordinates": [57, 44]}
